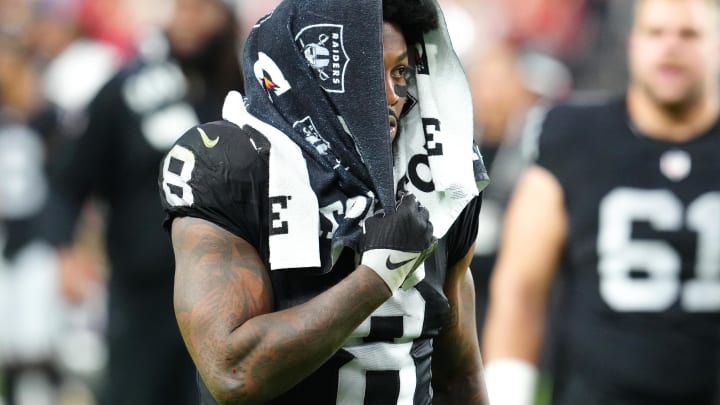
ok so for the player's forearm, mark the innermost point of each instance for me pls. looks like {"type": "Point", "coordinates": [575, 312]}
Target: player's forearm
{"type": "Point", "coordinates": [512, 341]}
{"type": "Point", "coordinates": [457, 365]}
{"type": "Point", "coordinates": [514, 329]}
{"type": "Point", "coordinates": [272, 352]}
{"type": "Point", "coordinates": [460, 381]}
{"type": "Point", "coordinates": [464, 384]}
{"type": "Point", "coordinates": [465, 390]}
{"type": "Point", "coordinates": [516, 315]}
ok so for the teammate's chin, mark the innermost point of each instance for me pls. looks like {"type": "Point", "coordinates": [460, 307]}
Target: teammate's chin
{"type": "Point", "coordinates": [674, 99]}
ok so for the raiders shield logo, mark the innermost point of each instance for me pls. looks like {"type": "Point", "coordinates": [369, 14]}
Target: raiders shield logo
{"type": "Point", "coordinates": [323, 47]}
{"type": "Point", "coordinates": [312, 135]}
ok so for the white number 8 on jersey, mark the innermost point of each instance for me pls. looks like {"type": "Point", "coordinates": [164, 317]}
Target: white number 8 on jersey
{"type": "Point", "coordinates": [177, 171]}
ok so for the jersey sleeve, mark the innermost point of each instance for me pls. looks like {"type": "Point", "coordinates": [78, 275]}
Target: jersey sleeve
{"type": "Point", "coordinates": [463, 232]}
{"type": "Point", "coordinates": [218, 172]}
{"type": "Point", "coordinates": [568, 132]}
{"type": "Point", "coordinates": [550, 148]}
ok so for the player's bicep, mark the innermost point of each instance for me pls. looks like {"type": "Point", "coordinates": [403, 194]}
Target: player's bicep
{"type": "Point", "coordinates": [220, 282]}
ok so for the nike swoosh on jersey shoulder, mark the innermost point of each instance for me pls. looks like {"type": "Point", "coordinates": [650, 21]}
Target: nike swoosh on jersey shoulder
{"type": "Point", "coordinates": [207, 141]}
{"type": "Point", "coordinates": [219, 144]}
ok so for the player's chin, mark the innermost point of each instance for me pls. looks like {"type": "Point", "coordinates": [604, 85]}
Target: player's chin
{"type": "Point", "coordinates": [675, 97]}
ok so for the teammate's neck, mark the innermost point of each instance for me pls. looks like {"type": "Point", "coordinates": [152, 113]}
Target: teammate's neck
{"type": "Point", "coordinates": [658, 122]}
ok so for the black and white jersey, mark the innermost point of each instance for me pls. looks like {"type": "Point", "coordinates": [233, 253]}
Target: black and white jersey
{"type": "Point", "coordinates": [640, 312]}
{"type": "Point", "coordinates": [219, 172]}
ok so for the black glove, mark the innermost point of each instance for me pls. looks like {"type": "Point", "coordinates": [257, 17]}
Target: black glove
{"type": "Point", "coordinates": [395, 245]}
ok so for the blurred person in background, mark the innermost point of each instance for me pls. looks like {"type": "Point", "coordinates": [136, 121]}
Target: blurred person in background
{"type": "Point", "coordinates": [623, 205]}
{"type": "Point", "coordinates": [179, 78]}
{"type": "Point", "coordinates": [49, 72]}
{"type": "Point", "coordinates": [72, 64]}
{"type": "Point", "coordinates": [512, 90]}
{"type": "Point", "coordinates": [28, 278]}
{"type": "Point", "coordinates": [112, 22]}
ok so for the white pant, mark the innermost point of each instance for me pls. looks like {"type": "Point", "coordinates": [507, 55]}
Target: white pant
{"type": "Point", "coordinates": [31, 305]}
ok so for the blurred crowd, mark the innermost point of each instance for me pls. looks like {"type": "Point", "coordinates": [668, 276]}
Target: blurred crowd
{"type": "Point", "coordinates": [60, 58]}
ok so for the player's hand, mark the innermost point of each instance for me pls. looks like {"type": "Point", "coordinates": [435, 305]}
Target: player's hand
{"type": "Point", "coordinates": [395, 245]}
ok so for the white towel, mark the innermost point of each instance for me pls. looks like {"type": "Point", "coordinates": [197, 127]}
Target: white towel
{"type": "Point", "coordinates": [442, 120]}
{"type": "Point", "coordinates": [288, 178]}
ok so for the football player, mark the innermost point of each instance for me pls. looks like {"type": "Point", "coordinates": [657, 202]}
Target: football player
{"type": "Point", "coordinates": [623, 205]}
{"type": "Point", "coordinates": [179, 79]}
{"type": "Point", "coordinates": [392, 320]}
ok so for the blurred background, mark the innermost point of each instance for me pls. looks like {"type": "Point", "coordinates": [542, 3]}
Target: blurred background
{"type": "Point", "coordinates": [521, 56]}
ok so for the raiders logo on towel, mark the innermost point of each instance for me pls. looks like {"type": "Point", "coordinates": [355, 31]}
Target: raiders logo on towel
{"type": "Point", "coordinates": [323, 47]}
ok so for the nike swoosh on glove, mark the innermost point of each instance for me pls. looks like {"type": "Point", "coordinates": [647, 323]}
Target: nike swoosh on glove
{"type": "Point", "coordinates": [395, 245]}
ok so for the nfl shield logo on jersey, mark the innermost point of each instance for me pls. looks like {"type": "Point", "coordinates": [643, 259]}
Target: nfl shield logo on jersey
{"type": "Point", "coordinates": [675, 164]}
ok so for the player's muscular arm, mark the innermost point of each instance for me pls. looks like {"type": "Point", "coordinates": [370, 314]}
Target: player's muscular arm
{"type": "Point", "coordinates": [248, 354]}
{"type": "Point", "coordinates": [535, 230]}
{"type": "Point", "coordinates": [457, 366]}
{"type": "Point", "coordinates": [534, 234]}
{"type": "Point", "coordinates": [223, 301]}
